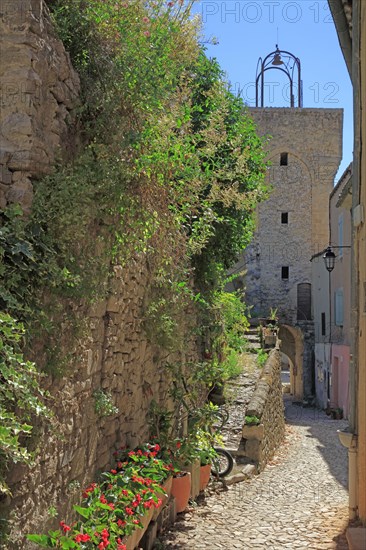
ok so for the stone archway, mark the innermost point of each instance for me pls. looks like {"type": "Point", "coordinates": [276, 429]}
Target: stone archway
{"type": "Point", "coordinates": [292, 345]}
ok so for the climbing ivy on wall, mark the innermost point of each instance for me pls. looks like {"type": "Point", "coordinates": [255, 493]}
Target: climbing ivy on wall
{"type": "Point", "coordinates": [168, 165]}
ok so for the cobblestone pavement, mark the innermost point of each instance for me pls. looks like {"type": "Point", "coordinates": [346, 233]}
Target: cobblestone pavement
{"type": "Point", "coordinates": [299, 502]}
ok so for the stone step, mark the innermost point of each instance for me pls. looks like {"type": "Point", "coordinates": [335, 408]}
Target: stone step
{"type": "Point", "coordinates": [252, 337]}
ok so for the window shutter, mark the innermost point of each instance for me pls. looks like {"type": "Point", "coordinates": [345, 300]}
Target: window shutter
{"type": "Point", "coordinates": [339, 307]}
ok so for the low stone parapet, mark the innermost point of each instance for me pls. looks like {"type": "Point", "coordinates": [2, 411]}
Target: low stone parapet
{"type": "Point", "coordinates": [264, 427]}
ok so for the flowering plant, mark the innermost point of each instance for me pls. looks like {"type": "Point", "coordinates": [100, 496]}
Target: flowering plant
{"type": "Point", "coordinates": [150, 460]}
{"type": "Point", "coordinates": [111, 510]}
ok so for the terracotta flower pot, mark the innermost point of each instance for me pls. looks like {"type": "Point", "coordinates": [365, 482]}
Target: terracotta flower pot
{"type": "Point", "coordinates": [205, 472]}
{"type": "Point", "coordinates": [167, 489]}
{"type": "Point", "coordinates": [132, 540]}
{"type": "Point", "coordinates": [181, 488]}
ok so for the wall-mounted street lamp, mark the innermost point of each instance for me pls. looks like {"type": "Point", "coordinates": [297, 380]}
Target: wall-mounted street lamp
{"type": "Point", "coordinates": [330, 257]}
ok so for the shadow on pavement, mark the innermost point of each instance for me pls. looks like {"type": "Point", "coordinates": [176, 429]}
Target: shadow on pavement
{"type": "Point", "coordinates": [324, 429]}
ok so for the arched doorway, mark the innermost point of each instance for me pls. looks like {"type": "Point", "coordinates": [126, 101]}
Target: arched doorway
{"type": "Point", "coordinates": [292, 347]}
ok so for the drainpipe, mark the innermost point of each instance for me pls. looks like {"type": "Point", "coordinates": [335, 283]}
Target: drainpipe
{"type": "Point", "coordinates": [349, 440]}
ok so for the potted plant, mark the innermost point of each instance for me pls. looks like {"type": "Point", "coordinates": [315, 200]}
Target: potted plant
{"type": "Point", "coordinates": [207, 455]}
{"type": "Point", "coordinates": [185, 461]}
{"type": "Point", "coordinates": [115, 511]}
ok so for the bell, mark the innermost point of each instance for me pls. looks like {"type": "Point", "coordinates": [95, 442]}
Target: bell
{"type": "Point", "coordinates": [277, 59]}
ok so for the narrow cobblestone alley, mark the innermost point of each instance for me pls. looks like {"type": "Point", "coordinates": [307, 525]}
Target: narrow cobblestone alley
{"type": "Point", "coordinates": [300, 501]}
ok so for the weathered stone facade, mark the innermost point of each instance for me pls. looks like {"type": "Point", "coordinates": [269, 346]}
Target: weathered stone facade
{"type": "Point", "coordinates": [305, 149]}
{"type": "Point", "coordinates": [116, 356]}
{"type": "Point", "coordinates": [39, 91]}
{"type": "Point", "coordinates": [312, 141]}
{"type": "Point", "coordinates": [260, 442]}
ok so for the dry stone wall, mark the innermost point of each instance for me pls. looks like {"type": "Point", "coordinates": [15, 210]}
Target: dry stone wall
{"type": "Point", "coordinates": [115, 356]}
{"type": "Point", "coordinates": [261, 441]}
{"type": "Point", "coordinates": [39, 90]}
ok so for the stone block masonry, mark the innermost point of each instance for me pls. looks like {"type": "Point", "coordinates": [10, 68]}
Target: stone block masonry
{"type": "Point", "coordinates": [261, 441]}
{"type": "Point", "coordinates": [39, 90]}
{"type": "Point", "coordinates": [304, 149]}
{"type": "Point", "coordinates": [311, 140]}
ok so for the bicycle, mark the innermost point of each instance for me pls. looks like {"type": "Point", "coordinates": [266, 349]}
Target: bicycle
{"type": "Point", "coordinates": [223, 464]}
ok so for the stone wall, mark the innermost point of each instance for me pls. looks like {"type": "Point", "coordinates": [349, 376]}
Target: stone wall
{"type": "Point", "coordinates": [116, 356]}
{"type": "Point", "coordinates": [39, 91]}
{"type": "Point", "coordinates": [261, 441]}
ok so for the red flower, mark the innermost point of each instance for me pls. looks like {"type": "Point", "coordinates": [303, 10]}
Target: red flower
{"type": "Point", "coordinates": [159, 503]}
{"type": "Point", "coordinates": [88, 490]}
{"type": "Point", "coordinates": [102, 499]}
{"type": "Point", "coordinates": [129, 511]}
{"type": "Point", "coordinates": [111, 505]}
{"type": "Point", "coordinates": [121, 523]}
{"type": "Point", "coordinates": [157, 447]}
{"type": "Point", "coordinates": [82, 538]}
{"type": "Point", "coordinates": [64, 527]}
{"type": "Point", "coordinates": [137, 501]}
{"type": "Point", "coordinates": [136, 521]}
{"type": "Point", "coordinates": [124, 492]}
{"type": "Point", "coordinates": [119, 465]}
{"type": "Point", "coordinates": [179, 444]}
{"type": "Point", "coordinates": [113, 471]}
{"type": "Point", "coordinates": [105, 534]}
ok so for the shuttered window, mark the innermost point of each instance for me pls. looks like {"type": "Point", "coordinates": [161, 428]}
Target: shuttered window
{"type": "Point", "coordinates": [338, 307]}
{"type": "Point", "coordinates": [303, 301]}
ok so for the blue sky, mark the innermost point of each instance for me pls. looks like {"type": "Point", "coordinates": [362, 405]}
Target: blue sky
{"type": "Point", "coordinates": [247, 30]}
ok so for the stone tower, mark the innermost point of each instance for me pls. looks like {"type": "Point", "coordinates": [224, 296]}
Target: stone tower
{"type": "Point", "coordinates": [305, 149]}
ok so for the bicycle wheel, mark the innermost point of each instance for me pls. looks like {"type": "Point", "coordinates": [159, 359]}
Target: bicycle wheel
{"type": "Point", "coordinates": [223, 463]}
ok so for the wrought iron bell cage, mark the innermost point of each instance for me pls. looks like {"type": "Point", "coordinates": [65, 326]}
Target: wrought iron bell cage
{"type": "Point", "coordinates": [283, 61]}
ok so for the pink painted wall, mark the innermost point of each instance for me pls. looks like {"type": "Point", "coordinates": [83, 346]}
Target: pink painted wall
{"type": "Point", "coordinates": [340, 375]}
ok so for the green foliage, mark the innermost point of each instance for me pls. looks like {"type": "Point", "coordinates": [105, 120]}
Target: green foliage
{"type": "Point", "coordinates": [103, 404]}
{"type": "Point", "coordinates": [21, 397]}
{"type": "Point", "coordinates": [113, 508]}
{"type": "Point", "coordinates": [232, 311]}
{"type": "Point", "coordinates": [252, 420]}
{"type": "Point", "coordinates": [232, 364]}
{"type": "Point", "coordinates": [167, 165]}
{"type": "Point", "coordinates": [27, 262]}
{"type": "Point", "coordinates": [262, 357]}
